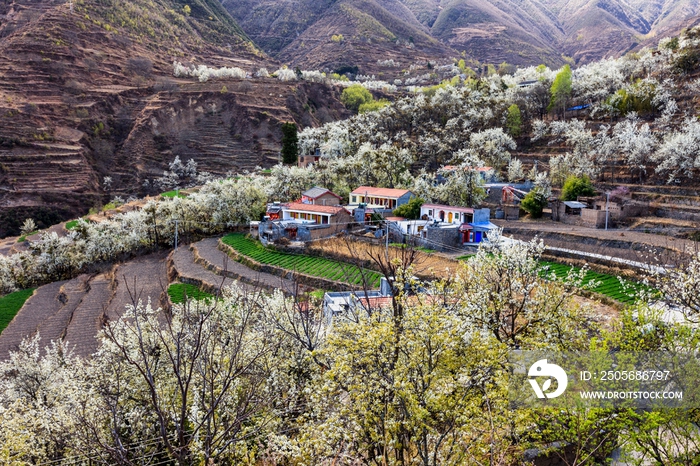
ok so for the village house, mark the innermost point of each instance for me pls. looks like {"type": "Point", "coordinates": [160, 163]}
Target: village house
{"type": "Point", "coordinates": [336, 303]}
{"type": "Point", "coordinates": [307, 159]}
{"type": "Point", "coordinates": [380, 198]}
{"type": "Point", "coordinates": [320, 196]}
{"type": "Point", "coordinates": [304, 222]}
{"type": "Point", "coordinates": [452, 226]}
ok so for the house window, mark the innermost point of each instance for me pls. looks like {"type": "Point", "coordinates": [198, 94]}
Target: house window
{"type": "Point", "coordinates": [430, 213]}
{"type": "Point", "coordinates": [354, 199]}
{"type": "Point", "coordinates": [325, 219]}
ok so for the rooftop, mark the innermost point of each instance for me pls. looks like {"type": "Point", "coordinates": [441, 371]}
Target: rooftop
{"type": "Point", "coordinates": [317, 192]}
{"type": "Point", "coordinates": [468, 210]}
{"type": "Point", "coordinates": [575, 204]}
{"type": "Point", "coordinates": [381, 192]}
{"type": "Point", "coordinates": [318, 209]}
{"type": "Point", "coordinates": [478, 169]}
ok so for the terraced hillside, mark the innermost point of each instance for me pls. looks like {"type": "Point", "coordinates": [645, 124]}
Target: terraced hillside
{"type": "Point", "coordinates": [90, 93]}
{"type": "Point", "coordinates": [74, 310]}
{"type": "Point", "coordinates": [523, 32]}
{"type": "Point", "coordinates": [333, 35]}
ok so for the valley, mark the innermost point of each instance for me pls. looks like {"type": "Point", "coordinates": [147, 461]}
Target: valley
{"type": "Point", "coordinates": [378, 232]}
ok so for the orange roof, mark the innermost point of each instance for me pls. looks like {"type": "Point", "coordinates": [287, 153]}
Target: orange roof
{"type": "Point", "coordinates": [478, 169]}
{"type": "Point", "coordinates": [375, 301]}
{"type": "Point", "coordinates": [318, 209]}
{"type": "Point", "coordinates": [381, 192]}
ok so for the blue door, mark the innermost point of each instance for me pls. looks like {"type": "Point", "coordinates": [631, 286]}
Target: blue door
{"type": "Point", "coordinates": [477, 237]}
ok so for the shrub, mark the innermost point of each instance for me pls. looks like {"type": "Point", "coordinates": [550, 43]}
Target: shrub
{"type": "Point", "coordinates": [373, 106]}
{"type": "Point", "coordinates": [354, 96]}
{"type": "Point", "coordinates": [534, 202]}
{"type": "Point", "coordinates": [575, 186]}
{"type": "Point", "coordinates": [140, 66]}
{"type": "Point", "coordinates": [410, 210]}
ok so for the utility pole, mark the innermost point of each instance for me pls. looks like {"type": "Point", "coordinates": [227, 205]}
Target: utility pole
{"type": "Point", "coordinates": [387, 240]}
{"type": "Point", "coordinates": [607, 212]}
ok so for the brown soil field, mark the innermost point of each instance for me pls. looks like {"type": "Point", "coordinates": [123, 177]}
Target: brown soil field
{"type": "Point", "coordinates": [427, 265]}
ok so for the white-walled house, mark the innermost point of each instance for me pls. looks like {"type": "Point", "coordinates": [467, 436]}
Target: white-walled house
{"type": "Point", "coordinates": [380, 198]}
{"type": "Point", "coordinates": [470, 225]}
{"type": "Point", "coordinates": [451, 214]}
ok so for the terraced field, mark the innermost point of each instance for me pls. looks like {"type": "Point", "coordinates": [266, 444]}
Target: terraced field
{"type": "Point", "coordinates": [179, 291]}
{"type": "Point", "coordinates": [10, 304]}
{"type": "Point", "coordinates": [607, 285]}
{"type": "Point", "coordinates": [309, 265]}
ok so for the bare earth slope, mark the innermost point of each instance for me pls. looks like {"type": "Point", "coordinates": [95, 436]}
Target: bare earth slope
{"type": "Point", "coordinates": [89, 93]}
{"type": "Point", "coordinates": [522, 32]}
{"type": "Point", "coordinates": [302, 33]}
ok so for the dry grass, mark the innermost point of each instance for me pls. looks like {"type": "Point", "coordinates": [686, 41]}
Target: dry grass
{"type": "Point", "coordinates": [427, 265]}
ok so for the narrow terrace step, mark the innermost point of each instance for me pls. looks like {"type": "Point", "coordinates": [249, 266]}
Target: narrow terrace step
{"type": "Point", "coordinates": [187, 270]}
{"type": "Point", "coordinates": [144, 278]}
{"type": "Point", "coordinates": [70, 294]}
{"type": "Point", "coordinates": [86, 321]}
{"type": "Point", "coordinates": [41, 306]}
{"type": "Point", "coordinates": [207, 253]}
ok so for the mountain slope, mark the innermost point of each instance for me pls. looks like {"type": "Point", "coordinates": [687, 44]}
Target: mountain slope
{"type": "Point", "coordinates": [330, 34]}
{"type": "Point", "coordinates": [522, 32]}
{"type": "Point", "coordinates": [89, 93]}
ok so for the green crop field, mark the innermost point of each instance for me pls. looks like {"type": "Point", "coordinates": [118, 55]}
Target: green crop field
{"type": "Point", "coordinates": [607, 285]}
{"type": "Point", "coordinates": [309, 265]}
{"type": "Point", "coordinates": [173, 194]}
{"type": "Point", "coordinates": [178, 292]}
{"type": "Point", "coordinates": [10, 304]}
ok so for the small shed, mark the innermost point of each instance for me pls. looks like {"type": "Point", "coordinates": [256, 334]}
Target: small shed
{"type": "Point", "coordinates": [573, 207]}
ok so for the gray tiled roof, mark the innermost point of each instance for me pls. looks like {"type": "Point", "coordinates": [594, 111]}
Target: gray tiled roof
{"type": "Point", "coordinates": [315, 192]}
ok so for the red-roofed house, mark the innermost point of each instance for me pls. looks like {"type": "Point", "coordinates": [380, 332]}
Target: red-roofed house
{"type": "Point", "coordinates": [320, 214]}
{"type": "Point", "coordinates": [380, 198]}
{"type": "Point", "coordinates": [305, 222]}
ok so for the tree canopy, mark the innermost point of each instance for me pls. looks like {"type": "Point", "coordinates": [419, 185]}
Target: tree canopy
{"type": "Point", "coordinates": [576, 186]}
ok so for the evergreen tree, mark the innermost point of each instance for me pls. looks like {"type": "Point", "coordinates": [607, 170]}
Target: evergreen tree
{"type": "Point", "coordinates": [290, 146]}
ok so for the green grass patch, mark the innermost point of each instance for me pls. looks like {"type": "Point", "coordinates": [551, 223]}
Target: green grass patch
{"type": "Point", "coordinates": [179, 291]}
{"type": "Point", "coordinates": [318, 294]}
{"type": "Point", "coordinates": [74, 223]}
{"type": "Point", "coordinates": [23, 238]}
{"type": "Point", "coordinates": [10, 304]}
{"type": "Point", "coordinates": [605, 284]}
{"type": "Point", "coordinates": [418, 248]}
{"type": "Point", "coordinates": [173, 193]}
{"type": "Point", "coordinates": [309, 265]}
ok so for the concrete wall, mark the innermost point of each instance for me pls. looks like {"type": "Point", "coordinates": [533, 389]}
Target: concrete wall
{"type": "Point", "coordinates": [404, 199]}
{"type": "Point", "coordinates": [482, 215]}
{"type": "Point", "coordinates": [511, 212]}
{"type": "Point", "coordinates": [449, 237]}
{"type": "Point", "coordinates": [593, 218]}
{"type": "Point", "coordinates": [327, 199]}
